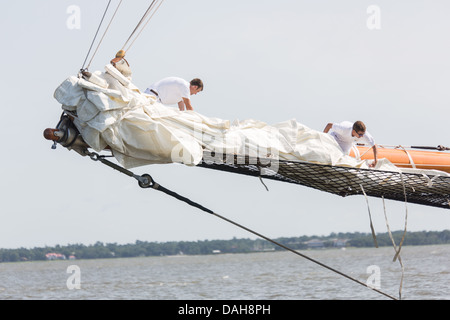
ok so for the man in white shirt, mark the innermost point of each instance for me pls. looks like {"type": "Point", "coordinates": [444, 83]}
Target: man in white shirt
{"type": "Point", "coordinates": [347, 134]}
{"type": "Point", "coordinates": [173, 90]}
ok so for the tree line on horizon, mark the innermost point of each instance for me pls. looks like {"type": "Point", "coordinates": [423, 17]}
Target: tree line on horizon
{"type": "Point", "coordinates": [100, 250]}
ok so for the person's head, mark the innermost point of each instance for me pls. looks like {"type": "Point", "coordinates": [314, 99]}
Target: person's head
{"type": "Point", "coordinates": [196, 85]}
{"type": "Point", "coordinates": [359, 129]}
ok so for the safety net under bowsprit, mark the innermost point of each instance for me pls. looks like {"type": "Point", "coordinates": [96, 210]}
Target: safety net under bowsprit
{"type": "Point", "coordinates": [344, 181]}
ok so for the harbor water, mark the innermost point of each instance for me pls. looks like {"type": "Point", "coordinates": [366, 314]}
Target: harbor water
{"type": "Point", "coordinates": [276, 275]}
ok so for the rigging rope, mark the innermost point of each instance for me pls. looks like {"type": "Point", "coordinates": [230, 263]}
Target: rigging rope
{"type": "Point", "coordinates": [370, 218]}
{"type": "Point", "coordinates": [96, 33]}
{"type": "Point", "coordinates": [154, 6]}
{"type": "Point", "coordinates": [406, 220]}
{"type": "Point", "coordinates": [146, 181]}
{"type": "Point", "coordinates": [397, 251]}
{"type": "Point", "coordinates": [104, 33]}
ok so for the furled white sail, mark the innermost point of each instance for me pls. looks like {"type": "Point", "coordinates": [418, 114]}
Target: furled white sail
{"type": "Point", "coordinates": [142, 131]}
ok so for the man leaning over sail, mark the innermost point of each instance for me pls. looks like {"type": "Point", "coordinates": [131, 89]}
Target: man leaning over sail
{"type": "Point", "coordinates": [173, 90]}
{"type": "Point", "coordinates": [347, 134]}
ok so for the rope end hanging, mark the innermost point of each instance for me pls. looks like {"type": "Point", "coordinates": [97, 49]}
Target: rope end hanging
{"type": "Point", "coordinates": [397, 255]}
{"type": "Point", "coordinates": [370, 218]}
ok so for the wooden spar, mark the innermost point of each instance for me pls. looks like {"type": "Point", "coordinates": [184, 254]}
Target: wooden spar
{"type": "Point", "coordinates": [407, 158]}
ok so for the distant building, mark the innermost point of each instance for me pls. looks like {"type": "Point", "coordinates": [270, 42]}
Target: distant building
{"type": "Point", "coordinates": [315, 244]}
{"type": "Point", "coordinates": [55, 256]}
{"type": "Point", "coordinates": [340, 243]}
{"type": "Point", "coordinates": [319, 244]}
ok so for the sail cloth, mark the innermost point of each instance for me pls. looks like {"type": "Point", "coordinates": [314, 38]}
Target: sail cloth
{"type": "Point", "coordinates": [141, 131]}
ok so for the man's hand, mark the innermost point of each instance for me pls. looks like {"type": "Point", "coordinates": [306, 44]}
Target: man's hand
{"type": "Point", "coordinates": [185, 103]}
{"type": "Point", "coordinates": [375, 161]}
{"type": "Point", "coordinates": [328, 127]}
{"type": "Point", "coordinates": [181, 105]}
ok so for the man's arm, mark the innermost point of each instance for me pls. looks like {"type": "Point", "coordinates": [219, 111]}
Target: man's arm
{"type": "Point", "coordinates": [181, 105]}
{"type": "Point", "coordinates": [374, 156]}
{"type": "Point", "coordinates": [186, 102]}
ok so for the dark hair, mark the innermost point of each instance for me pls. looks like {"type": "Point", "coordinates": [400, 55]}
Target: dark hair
{"type": "Point", "coordinates": [359, 126]}
{"type": "Point", "coordinates": [197, 82]}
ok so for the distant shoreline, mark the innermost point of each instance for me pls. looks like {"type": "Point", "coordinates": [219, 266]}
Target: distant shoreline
{"type": "Point", "coordinates": [211, 247]}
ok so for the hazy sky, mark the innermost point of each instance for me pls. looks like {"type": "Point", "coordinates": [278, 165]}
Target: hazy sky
{"type": "Point", "coordinates": [315, 61]}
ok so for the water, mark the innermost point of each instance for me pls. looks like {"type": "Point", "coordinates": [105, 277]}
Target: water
{"type": "Point", "coordinates": [254, 276]}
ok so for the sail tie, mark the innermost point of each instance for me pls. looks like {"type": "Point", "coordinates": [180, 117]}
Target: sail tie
{"type": "Point", "coordinates": [411, 161]}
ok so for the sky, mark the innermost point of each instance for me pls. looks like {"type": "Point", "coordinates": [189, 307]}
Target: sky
{"type": "Point", "coordinates": [313, 61]}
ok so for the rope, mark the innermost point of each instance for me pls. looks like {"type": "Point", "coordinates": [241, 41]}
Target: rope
{"type": "Point", "coordinates": [370, 218]}
{"type": "Point", "coordinates": [356, 151]}
{"type": "Point", "coordinates": [146, 181]}
{"type": "Point", "coordinates": [144, 17]}
{"type": "Point", "coordinates": [395, 249]}
{"type": "Point", "coordinates": [139, 23]}
{"type": "Point", "coordinates": [179, 197]}
{"type": "Point", "coordinates": [96, 33]}
{"type": "Point", "coordinates": [104, 33]}
{"type": "Point", "coordinates": [358, 156]}
{"type": "Point", "coordinates": [260, 178]}
{"type": "Point", "coordinates": [411, 161]}
{"type": "Point", "coordinates": [145, 25]}
{"type": "Point", "coordinates": [406, 220]}
{"type": "Point", "coordinates": [439, 147]}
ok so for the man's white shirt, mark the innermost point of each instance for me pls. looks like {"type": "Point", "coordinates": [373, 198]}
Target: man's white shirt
{"type": "Point", "coordinates": [171, 90]}
{"type": "Point", "coordinates": [342, 132]}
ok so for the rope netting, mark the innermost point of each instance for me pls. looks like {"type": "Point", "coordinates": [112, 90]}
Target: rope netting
{"type": "Point", "coordinates": [344, 181]}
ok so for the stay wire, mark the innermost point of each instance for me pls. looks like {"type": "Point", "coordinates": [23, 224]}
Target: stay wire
{"type": "Point", "coordinates": [190, 202]}
{"type": "Point", "coordinates": [96, 33]}
{"type": "Point", "coordinates": [139, 23]}
{"type": "Point", "coordinates": [144, 17]}
{"type": "Point", "coordinates": [104, 33]}
{"type": "Point", "coordinates": [142, 29]}
{"type": "Point", "coordinates": [146, 181]}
